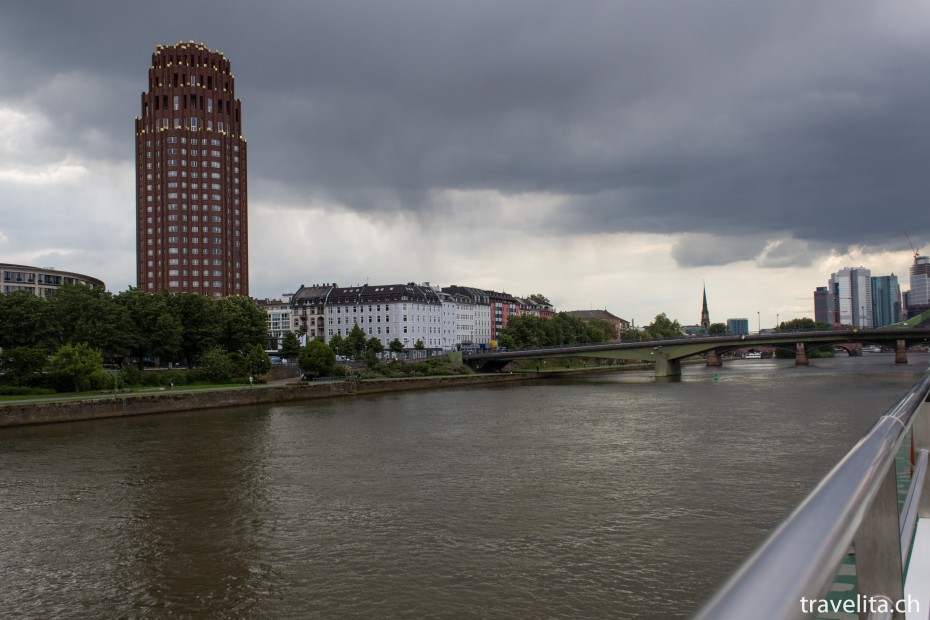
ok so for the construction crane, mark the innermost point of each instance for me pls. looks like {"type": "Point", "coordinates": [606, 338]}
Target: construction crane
{"type": "Point", "coordinates": [916, 253]}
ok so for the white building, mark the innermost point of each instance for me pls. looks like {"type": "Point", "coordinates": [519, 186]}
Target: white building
{"type": "Point", "coordinates": [279, 318]}
{"type": "Point", "coordinates": [41, 281]}
{"type": "Point", "coordinates": [409, 312]}
{"type": "Point", "coordinates": [852, 291]}
{"type": "Point", "coordinates": [472, 316]}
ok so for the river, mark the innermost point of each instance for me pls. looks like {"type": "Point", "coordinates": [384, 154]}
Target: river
{"type": "Point", "coordinates": [610, 496]}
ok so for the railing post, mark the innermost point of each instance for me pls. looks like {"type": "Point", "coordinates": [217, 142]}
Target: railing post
{"type": "Point", "coordinates": [878, 546]}
{"type": "Point", "coordinates": [920, 436]}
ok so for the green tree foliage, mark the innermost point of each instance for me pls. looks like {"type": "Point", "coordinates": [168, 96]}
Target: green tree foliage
{"type": "Point", "coordinates": [717, 329]}
{"type": "Point", "coordinates": [530, 331]}
{"type": "Point", "coordinates": [76, 363]}
{"type": "Point", "coordinates": [355, 341]}
{"type": "Point", "coordinates": [259, 362]}
{"type": "Point", "coordinates": [197, 316]}
{"type": "Point", "coordinates": [317, 359]}
{"type": "Point", "coordinates": [290, 346]}
{"type": "Point", "coordinates": [216, 365]}
{"type": "Point", "coordinates": [540, 299]}
{"type": "Point", "coordinates": [631, 335]}
{"type": "Point", "coordinates": [373, 344]}
{"type": "Point", "coordinates": [82, 314]}
{"type": "Point", "coordinates": [20, 364]}
{"type": "Point", "coordinates": [662, 327]}
{"type": "Point", "coordinates": [26, 321]}
{"type": "Point", "coordinates": [240, 323]}
{"type": "Point", "coordinates": [803, 324]}
{"type": "Point", "coordinates": [157, 328]}
{"type": "Point", "coordinates": [396, 346]}
{"type": "Point", "coordinates": [338, 344]}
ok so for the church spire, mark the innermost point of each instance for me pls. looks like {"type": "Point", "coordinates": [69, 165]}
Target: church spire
{"type": "Point", "coordinates": [705, 315]}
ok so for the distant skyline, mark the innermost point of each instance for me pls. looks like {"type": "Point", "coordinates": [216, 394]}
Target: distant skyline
{"type": "Point", "coordinates": [608, 155]}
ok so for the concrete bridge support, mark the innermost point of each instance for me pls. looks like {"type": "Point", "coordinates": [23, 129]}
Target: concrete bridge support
{"type": "Point", "coordinates": [800, 355]}
{"type": "Point", "coordinates": [900, 352]}
{"type": "Point", "coordinates": [666, 367]}
{"type": "Point", "coordinates": [714, 359]}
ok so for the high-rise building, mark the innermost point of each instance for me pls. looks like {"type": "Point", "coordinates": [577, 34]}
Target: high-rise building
{"type": "Point", "coordinates": [919, 298]}
{"type": "Point", "coordinates": [824, 305]}
{"type": "Point", "coordinates": [737, 327]}
{"type": "Point", "coordinates": [886, 300]}
{"type": "Point", "coordinates": [192, 226]}
{"type": "Point", "coordinates": [852, 289]}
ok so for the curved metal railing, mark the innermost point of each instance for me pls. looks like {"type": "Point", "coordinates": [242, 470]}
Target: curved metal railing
{"type": "Point", "coordinates": [855, 504]}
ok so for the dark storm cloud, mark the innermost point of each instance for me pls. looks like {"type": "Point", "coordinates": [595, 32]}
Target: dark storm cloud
{"type": "Point", "coordinates": [789, 119]}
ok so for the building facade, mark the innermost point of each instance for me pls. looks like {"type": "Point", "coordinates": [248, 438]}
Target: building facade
{"type": "Point", "coordinates": [601, 315]}
{"type": "Point", "coordinates": [279, 319]}
{"type": "Point", "coordinates": [737, 327]}
{"type": "Point", "coordinates": [886, 300]}
{"type": "Point", "coordinates": [824, 305]}
{"type": "Point", "coordinates": [919, 297]}
{"type": "Point", "coordinates": [410, 312]}
{"type": "Point", "coordinates": [39, 281]}
{"type": "Point", "coordinates": [852, 291]}
{"type": "Point", "coordinates": [191, 176]}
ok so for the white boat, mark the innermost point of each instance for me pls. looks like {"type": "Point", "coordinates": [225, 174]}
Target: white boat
{"type": "Point", "coordinates": [754, 355]}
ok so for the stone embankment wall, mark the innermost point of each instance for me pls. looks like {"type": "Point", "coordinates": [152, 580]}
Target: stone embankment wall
{"type": "Point", "coordinates": [15, 414]}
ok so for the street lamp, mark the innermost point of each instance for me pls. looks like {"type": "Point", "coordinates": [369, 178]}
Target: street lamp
{"type": "Point", "coordinates": [759, 317]}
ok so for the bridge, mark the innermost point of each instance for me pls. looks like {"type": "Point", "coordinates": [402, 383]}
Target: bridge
{"type": "Point", "coordinates": [667, 354]}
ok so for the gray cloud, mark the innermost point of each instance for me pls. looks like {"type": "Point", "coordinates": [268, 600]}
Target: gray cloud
{"type": "Point", "coordinates": [759, 120]}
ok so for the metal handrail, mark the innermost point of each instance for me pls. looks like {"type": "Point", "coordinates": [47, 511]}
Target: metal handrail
{"type": "Point", "coordinates": [800, 559]}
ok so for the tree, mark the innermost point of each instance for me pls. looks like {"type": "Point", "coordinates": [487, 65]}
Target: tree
{"type": "Point", "coordinates": [631, 335]}
{"type": "Point", "coordinates": [355, 341]}
{"type": "Point", "coordinates": [240, 322]}
{"type": "Point", "coordinates": [540, 299]}
{"type": "Point", "coordinates": [259, 362]}
{"type": "Point", "coordinates": [717, 329]}
{"type": "Point", "coordinates": [20, 364]}
{"type": "Point", "coordinates": [396, 346]}
{"type": "Point", "coordinates": [803, 324]}
{"type": "Point", "coordinates": [317, 359]}
{"type": "Point", "coordinates": [76, 363]}
{"type": "Point", "coordinates": [373, 344]}
{"type": "Point", "coordinates": [290, 346]}
{"type": "Point", "coordinates": [419, 346]}
{"type": "Point", "coordinates": [663, 327]}
{"type": "Point", "coordinates": [26, 321]}
{"type": "Point", "coordinates": [83, 314]}
{"type": "Point", "coordinates": [200, 327]}
{"type": "Point", "coordinates": [216, 365]}
{"type": "Point", "coordinates": [157, 328]}
{"type": "Point", "coordinates": [338, 344]}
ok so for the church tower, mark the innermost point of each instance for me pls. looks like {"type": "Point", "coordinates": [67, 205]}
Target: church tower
{"type": "Point", "coordinates": [705, 315]}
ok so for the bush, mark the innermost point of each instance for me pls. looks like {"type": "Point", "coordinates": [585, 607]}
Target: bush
{"type": "Point", "coordinates": [101, 380]}
{"type": "Point", "coordinates": [130, 375]}
{"type": "Point", "coordinates": [19, 390]}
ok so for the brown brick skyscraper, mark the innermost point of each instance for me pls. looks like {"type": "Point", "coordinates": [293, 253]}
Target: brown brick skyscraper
{"type": "Point", "coordinates": [192, 225]}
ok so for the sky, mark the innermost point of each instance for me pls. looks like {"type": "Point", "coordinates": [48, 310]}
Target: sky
{"type": "Point", "coordinates": [606, 153]}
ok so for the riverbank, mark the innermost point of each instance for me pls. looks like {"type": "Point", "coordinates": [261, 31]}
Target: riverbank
{"type": "Point", "coordinates": [118, 405]}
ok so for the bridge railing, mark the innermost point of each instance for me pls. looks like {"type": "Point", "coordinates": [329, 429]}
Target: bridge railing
{"type": "Point", "coordinates": [855, 504]}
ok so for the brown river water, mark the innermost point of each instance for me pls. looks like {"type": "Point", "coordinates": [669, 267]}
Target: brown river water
{"type": "Point", "coordinates": [611, 496]}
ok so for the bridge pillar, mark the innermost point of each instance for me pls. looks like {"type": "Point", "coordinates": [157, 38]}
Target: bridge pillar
{"type": "Point", "coordinates": [800, 355]}
{"type": "Point", "coordinates": [666, 367]}
{"type": "Point", "coordinates": [713, 359]}
{"type": "Point", "coordinates": [900, 352]}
